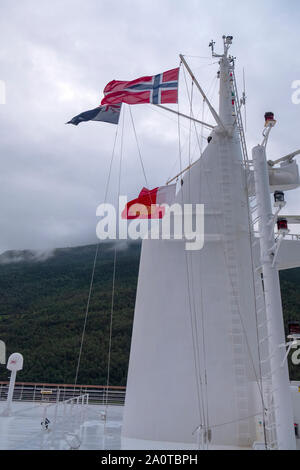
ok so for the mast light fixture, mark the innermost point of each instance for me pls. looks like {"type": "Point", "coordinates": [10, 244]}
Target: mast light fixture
{"type": "Point", "coordinates": [279, 199]}
{"type": "Point", "coordinates": [269, 119]}
{"type": "Point", "coordinates": [282, 225]}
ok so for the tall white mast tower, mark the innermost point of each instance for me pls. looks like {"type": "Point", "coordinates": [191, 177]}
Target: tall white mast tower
{"type": "Point", "coordinates": [195, 374]}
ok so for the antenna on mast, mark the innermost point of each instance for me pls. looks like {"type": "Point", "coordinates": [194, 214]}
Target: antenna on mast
{"type": "Point", "coordinates": [227, 43]}
{"type": "Point", "coordinates": [227, 40]}
{"type": "Point", "coordinates": [212, 46]}
{"type": "Point", "coordinates": [243, 100]}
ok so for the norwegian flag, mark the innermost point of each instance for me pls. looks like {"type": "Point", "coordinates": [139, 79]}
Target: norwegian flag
{"type": "Point", "coordinates": [157, 89]}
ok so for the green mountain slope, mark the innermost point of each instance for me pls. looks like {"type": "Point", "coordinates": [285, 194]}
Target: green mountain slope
{"type": "Point", "coordinates": [42, 310]}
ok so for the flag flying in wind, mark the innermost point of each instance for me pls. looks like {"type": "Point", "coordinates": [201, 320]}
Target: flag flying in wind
{"type": "Point", "coordinates": [107, 113]}
{"type": "Point", "coordinates": [157, 89]}
{"type": "Point", "coordinates": [147, 204]}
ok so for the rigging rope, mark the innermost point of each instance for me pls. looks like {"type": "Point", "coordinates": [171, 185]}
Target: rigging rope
{"type": "Point", "coordinates": [114, 273]}
{"type": "Point", "coordinates": [210, 94]}
{"type": "Point", "coordinates": [239, 311]}
{"type": "Point", "coordinates": [196, 132]}
{"type": "Point", "coordinates": [256, 310]}
{"type": "Point", "coordinates": [94, 266]}
{"type": "Point", "coordinates": [202, 305]}
{"type": "Point", "coordinates": [191, 303]}
{"type": "Point", "coordinates": [234, 421]}
{"type": "Point", "coordinates": [196, 56]}
{"type": "Point", "coordinates": [204, 390]}
{"type": "Point", "coordinates": [138, 147]}
{"type": "Point", "coordinates": [238, 307]}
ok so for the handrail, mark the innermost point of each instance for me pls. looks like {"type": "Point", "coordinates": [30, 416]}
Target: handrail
{"type": "Point", "coordinates": [117, 387]}
{"type": "Point", "coordinates": [33, 392]}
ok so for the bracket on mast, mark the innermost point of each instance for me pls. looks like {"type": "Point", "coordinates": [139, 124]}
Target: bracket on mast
{"type": "Point", "coordinates": [266, 132]}
{"type": "Point", "coordinates": [293, 344]}
{"type": "Point", "coordinates": [278, 243]}
{"type": "Point", "coordinates": [288, 158]}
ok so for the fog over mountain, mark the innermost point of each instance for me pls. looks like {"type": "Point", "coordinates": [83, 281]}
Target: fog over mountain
{"type": "Point", "coordinates": [56, 58]}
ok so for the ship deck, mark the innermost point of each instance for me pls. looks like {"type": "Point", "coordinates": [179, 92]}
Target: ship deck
{"type": "Point", "coordinates": [23, 429]}
{"type": "Point", "coordinates": [86, 430]}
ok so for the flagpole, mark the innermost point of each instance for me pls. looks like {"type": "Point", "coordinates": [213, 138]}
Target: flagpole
{"type": "Point", "coordinates": [185, 115]}
{"type": "Point", "coordinates": [212, 110]}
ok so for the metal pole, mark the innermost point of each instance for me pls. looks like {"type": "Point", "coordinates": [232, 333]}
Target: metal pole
{"type": "Point", "coordinates": [279, 369]}
{"type": "Point", "coordinates": [185, 116]}
{"type": "Point", "coordinates": [7, 410]}
{"type": "Point", "coordinates": [212, 110]}
{"type": "Point", "coordinates": [183, 171]}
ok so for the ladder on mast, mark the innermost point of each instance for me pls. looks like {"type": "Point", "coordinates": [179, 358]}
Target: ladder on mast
{"type": "Point", "coordinates": [266, 385]}
{"type": "Point", "coordinates": [239, 120]}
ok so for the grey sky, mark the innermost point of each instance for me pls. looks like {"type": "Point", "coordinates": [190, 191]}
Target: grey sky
{"type": "Point", "coordinates": [57, 56]}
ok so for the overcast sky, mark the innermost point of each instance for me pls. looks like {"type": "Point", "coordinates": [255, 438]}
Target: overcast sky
{"type": "Point", "coordinates": [57, 56]}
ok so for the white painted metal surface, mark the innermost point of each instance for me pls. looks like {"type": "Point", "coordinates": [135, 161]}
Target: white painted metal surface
{"type": "Point", "coordinates": [284, 178]}
{"type": "Point", "coordinates": [275, 329]}
{"type": "Point", "coordinates": [14, 364]}
{"type": "Point", "coordinates": [22, 430]}
{"type": "Point", "coordinates": [195, 364]}
{"type": "Point", "coordinates": [194, 352]}
{"type": "Point", "coordinates": [288, 254]}
{"type": "Point", "coordinates": [47, 392]}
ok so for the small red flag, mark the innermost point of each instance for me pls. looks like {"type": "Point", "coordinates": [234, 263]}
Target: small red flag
{"type": "Point", "coordinates": [147, 204]}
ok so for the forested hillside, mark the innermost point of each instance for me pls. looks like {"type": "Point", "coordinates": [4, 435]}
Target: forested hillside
{"type": "Point", "coordinates": [42, 310]}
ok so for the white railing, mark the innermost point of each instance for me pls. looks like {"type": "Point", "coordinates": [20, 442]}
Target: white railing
{"type": "Point", "coordinates": [64, 419]}
{"type": "Point", "coordinates": [292, 236]}
{"type": "Point", "coordinates": [288, 236]}
{"type": "Point", "coordinates": [51, 393]}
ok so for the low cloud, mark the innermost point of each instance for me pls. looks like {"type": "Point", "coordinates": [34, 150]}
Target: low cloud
{"type": "Point", "coordinates": [57, 56]}
{"type": "Point", "coordinates": [12, 256]}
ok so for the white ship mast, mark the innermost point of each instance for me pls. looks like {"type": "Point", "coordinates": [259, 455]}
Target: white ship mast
{"type": "Point", "coordinates": [202, 354]}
